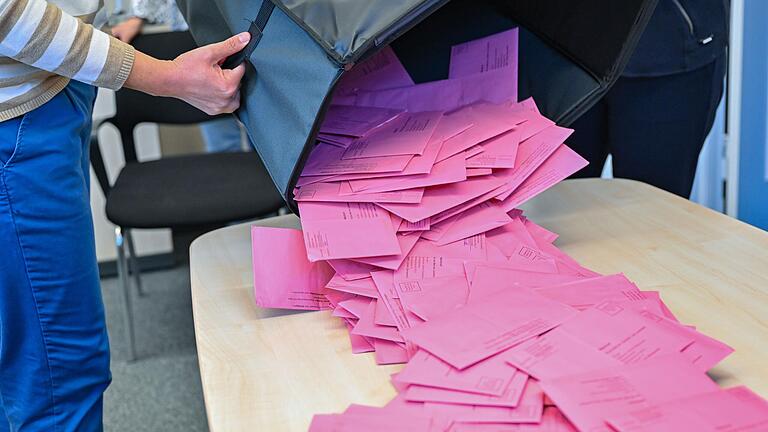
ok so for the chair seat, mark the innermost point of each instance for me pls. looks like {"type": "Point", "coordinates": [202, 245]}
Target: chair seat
{"type": "Point", "coordinates": [191, 191]}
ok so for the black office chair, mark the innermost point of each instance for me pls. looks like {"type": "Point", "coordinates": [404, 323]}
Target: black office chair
{"type": "Point", "coordinates": [191, 192]}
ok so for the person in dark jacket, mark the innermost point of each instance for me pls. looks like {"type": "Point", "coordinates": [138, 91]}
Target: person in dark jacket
{"type": "Point", "coordinates": [656, 117]}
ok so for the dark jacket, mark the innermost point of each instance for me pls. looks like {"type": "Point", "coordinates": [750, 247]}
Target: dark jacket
{"type": "Point", "coordinates": [681, 36]}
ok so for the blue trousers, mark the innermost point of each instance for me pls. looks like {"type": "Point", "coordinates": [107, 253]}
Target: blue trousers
{"type": "Point", "coordinates": [222, 135]}
{"type": "Point", "coordinates": [54, 352]}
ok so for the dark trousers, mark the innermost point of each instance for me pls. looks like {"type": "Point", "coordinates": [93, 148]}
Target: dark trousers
{"type": "Point", "coordinates": [653, 127]}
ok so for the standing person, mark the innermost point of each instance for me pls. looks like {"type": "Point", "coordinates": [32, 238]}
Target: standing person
{"type": "Point", "coordinates": [219, 135]}
{"type": "Point", "coordinates": [54, 353]}
{"type": "Point", "coordinates": [655, 119]}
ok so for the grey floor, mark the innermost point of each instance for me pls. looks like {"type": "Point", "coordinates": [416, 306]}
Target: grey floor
{"type": "Point", "coordinates": [160, 391]}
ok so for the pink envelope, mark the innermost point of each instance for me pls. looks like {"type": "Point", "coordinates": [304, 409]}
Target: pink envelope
{"type": "Point", "coordinates": [534, 124]}
{"type": "Point", "coordinates": [441, 198]}
{"type": "Point", "coordinates": [565, 263]}
{"type": "Point", "coordinates": [552, 420]}
{"type": "Point", "coordinates": [342, 192]}
{"type": "Point", "coordinates": [561, 164]}
{"type": "Point", "coordinates": [334, 140]}
{"type": "Point", "coordinates": [477, 172]}
{"type": "Point", "coordinates": [585, 293]}
{"type": "Point", "coordinates": [410, 227]}
{"type": "Point", "coordinates": [536, 259]}
{"type": "Point", "coordinates": [489, 377]}
{"type": "Point", "coordinates": [351, 270]}
{"type": "Point", "coordinates": [706, 352]}
{"type": "Point", "coordinates": [648, 301]}
{"type": "Point", "coordinates": [555, 354]}
{"type": "Point", "coordinates": [734, 409]}
{"type": "Point", "coordinates": [500, 175]}
{"type": "Point", "coordinates": [495, 86]}
{"type": "Point", "coordinates": [485, 328]}
{"type": "Point", "coordinates": [510, 398]}
{"type": "Point", "coordinates": [410, 413]}
{"type": "Point", "coordinates": [526, 105]}
{"type": "Point", "coordinates": [532, 153]}
{"type": "Point", "coordinates": [381, 71]}
{"type": "Point", "coordinates": [488, 278]}
{"type": "Point", "coordinates": [480, 219]}
{"type": "Point", "coordinates": [428, 260]}
{"type": "Point", "coordinates": [340, 312]}
{"type": "Point", "coordinates": [327, 159]}
{"type": "Point", "coordinates": [393, 262]}
{"type": "Point", "coordinates": [509, 237]}
{"type": "Point", "coordinates": [369, 423]}
{"type": "Point", "coordinates": [523, 258]}
{"type": "Point", "coordinates": [356, 305]}
{"type": "Point", "coordinates": [448, 127]}
{"type": "Point", "coordinates": [353, 121]}
{"type": "Point", "coordinates": [473, 151]}
{"type": "Point", "coordinates": [381, 315]}
{"type": "Point", "coordinates": [408, 134]}
{"type": "Point", "coordinates": [305, 180]}
{"type": "Point", "coordinates": [332, 230]}
{"type": "Point", "coordinates": [367, 327]}
{"type": "Point", "coordinates": [539, 233]}
{"type": "Point", "coordinates": [451, 170]}
{"type": "Point", "coordinates": [360, 344]}
{"type": "Point", "coordinates": [589, 399]}
{"type": "Point", "coordinates": [429, 298]}
{"type": "Point", "coordinates": [283, 278]}
{"type": "Point", "coordinates": [627, 335]}
{"type": "Point", "coordinates": [439, 228]}
{"type": "Point", "coordinates": [419, 97]}
{"type": "Point", "coordinates": [363, 287]}
{"type": "Point", "coordinates": [529, 410]}
{"type": "Point", "coordinates": [489, 121]}
{"type": "Point", "coordinates": [388, 296]}
{"type": "Point", "coordinates": [388, 352]}
{"type": "Point", "coordinates": [485, 54]}
{"type": "Point", "coordinates": [663, 309]}
{"type": "Point", "coordinates": [336, 297]}
{"type": "Point", "coordinates": [499, 152]}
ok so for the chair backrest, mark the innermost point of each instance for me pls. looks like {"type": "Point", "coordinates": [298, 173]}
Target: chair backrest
{"type": "Point", "coordinates": [134, 107]}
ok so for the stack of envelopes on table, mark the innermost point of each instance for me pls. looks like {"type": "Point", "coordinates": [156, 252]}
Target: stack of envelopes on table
{"type": "Point", "coordinates": [411, 236]}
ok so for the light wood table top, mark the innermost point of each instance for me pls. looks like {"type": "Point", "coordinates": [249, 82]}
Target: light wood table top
{"type": "Point", "coordinates": [269, 370]}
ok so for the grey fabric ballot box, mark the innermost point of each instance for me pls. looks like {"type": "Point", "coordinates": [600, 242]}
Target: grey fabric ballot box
{"type": "Point", "coordinates": [571, 52]}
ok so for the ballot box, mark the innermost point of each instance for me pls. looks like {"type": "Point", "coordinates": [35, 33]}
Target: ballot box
{"type": "Point", "coordinates": [570, 52]}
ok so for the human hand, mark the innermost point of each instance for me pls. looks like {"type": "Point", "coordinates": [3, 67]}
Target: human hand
{"type": "Point", "coordinates": [127, 30]}
{"type": "Point", "coordinates": [204, 84]}
{"type": "Point", "coordinates": [195, 77]}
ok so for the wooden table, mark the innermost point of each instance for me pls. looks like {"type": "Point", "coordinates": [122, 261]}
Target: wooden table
{"type": "Point", "coordinates": [268, 370]}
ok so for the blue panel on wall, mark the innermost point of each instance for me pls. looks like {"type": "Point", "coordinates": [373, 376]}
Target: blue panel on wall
{"type": "Point", "coordinates": [753, 187]}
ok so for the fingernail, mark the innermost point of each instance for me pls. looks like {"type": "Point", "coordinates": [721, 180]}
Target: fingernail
{"type": "Point", "coordinates": [244, 37]}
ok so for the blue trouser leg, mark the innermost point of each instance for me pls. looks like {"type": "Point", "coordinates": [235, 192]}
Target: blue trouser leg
{"type": "Point", "coordinates": [54, 352]}
{"type": "Point", "coordinates": [222, 135]}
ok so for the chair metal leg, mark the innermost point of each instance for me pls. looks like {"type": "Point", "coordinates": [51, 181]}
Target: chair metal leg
{"type": "Point", "coordinates": [133, 261]}
{"type": "Point", "coordinates": [122, 272]}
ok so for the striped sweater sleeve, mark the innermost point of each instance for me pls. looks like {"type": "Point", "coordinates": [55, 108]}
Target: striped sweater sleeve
{"type": "Point", "coordinates": [39, 34]}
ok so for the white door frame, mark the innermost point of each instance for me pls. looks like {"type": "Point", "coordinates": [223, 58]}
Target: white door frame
{"type": "Point", "coordinates": [733, 136]}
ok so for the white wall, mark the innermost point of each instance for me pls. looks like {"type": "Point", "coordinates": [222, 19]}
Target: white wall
{"type": "Point", "coordinates": [148, 147]}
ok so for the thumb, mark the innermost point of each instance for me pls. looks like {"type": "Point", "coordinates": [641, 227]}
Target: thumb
{"type": "Point", "coordinates": [221, 50]}
{"type": "Point", "coordinates": [234, 75]}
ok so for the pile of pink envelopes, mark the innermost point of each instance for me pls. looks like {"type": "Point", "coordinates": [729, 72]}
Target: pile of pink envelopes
{"type": "Point", "coordinates": [411, 236]}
